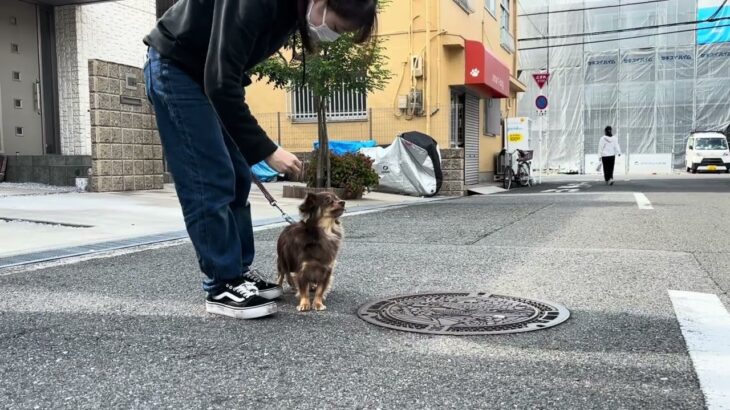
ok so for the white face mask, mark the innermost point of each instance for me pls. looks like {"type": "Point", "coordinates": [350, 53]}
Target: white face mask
{"type": "Point", "coordinates": [322, 32]}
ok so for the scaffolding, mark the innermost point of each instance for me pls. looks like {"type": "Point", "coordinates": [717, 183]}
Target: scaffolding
{"type": "Point", "coordinates": [653, 85]}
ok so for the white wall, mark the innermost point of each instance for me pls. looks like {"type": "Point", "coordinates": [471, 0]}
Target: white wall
{"type": "Point", "coordinates": [110, 31]}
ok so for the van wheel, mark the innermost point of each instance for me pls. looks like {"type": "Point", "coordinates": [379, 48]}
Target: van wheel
{"type": "Point", "coordinates": [694, 170]}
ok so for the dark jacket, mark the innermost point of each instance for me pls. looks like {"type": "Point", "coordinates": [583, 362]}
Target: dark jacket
{"type": "Point", "coordinates": [216, 42]}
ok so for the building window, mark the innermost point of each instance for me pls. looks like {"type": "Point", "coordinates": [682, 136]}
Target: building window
{"type": "Point", "coordinates": [507, 40]}
{"type": "Point", "coordinates": [504, 5]}
{"type": "Point", "coordinates": [342, 105]}
{"type": "Point", "coordinates": [491, 6]}
{"type": "Point", "coordinates": [492, 117]}
{"type": "Point", "coordinates": [465, 4]}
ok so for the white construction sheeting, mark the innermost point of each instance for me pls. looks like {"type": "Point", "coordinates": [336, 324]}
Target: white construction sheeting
{"type": "Point", "coordinates": [653, 90]}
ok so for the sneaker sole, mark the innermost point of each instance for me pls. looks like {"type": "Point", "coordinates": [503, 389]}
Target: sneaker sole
{"type": "Point", "coordinates": [273, 293]}
{"type": "Point", "coordinates": [252, 312]}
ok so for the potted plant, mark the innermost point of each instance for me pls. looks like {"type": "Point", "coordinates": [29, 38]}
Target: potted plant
{"type": "Point", "coordinates": [351, 176]}
{"type": "Point", "coordinates": [351, 173]}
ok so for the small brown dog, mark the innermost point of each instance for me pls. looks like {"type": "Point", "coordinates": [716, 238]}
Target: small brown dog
{"type": "Point", "coordinates": [307, 250]}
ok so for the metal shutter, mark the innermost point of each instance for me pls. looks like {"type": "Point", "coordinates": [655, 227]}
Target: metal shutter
{"type": "Point", "coordinates": [471, 140]}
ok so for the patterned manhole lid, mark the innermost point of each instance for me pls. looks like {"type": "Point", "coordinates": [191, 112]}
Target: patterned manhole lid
{"type": "Point", "coordinates": [463, 314]}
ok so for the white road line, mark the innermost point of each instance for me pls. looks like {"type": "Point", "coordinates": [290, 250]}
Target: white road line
{"type": "Point", "coordinates": [705, 324]}
{"type": "Point", "coordinates": [642, 201]}
{"type": "Point", "coordinates": [555, 192]}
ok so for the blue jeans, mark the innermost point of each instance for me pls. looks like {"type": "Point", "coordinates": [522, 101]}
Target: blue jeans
{"type": "Point", "coordinates": [211, 176]}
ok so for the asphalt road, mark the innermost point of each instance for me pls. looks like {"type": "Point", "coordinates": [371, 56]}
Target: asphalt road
{"type": "Point", "coordinates": [130, 331]}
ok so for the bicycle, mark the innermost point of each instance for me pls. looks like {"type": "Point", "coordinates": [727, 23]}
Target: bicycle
{"type": "Point", "coordinates": [523, 163]}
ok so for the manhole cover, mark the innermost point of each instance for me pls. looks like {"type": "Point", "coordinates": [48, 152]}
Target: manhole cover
{"type": "Point", "coordinates": [463, 314]}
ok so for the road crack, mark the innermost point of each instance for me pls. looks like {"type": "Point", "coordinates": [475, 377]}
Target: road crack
{"type": "Point", "coordinates": [492, 232]}
{"type": "Point", "coordinates": [709, 276]}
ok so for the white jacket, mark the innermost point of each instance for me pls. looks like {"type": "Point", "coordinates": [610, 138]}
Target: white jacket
{"type": "Point", "coordinates": [608, 146]}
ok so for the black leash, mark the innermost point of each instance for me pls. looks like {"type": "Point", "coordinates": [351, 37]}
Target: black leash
{"type": "Point", "coordinates": [272, 201]}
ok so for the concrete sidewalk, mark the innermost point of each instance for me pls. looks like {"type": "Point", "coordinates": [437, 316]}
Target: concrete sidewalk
{"type": "Point", "coordinates": [35, 218]}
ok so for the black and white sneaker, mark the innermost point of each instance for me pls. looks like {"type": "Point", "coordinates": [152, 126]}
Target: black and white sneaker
{"type": "Point", "coordinates": [239, 300]}
{"type": "Point", "coordinates": [266, 289]}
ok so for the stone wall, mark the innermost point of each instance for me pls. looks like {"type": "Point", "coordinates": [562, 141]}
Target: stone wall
{"type": "Point", "coordinates": [125, 146]}
{"type": "Point", "coordinates": [452, 166]}
{"type": "Point", "coordinates": [61, 170]}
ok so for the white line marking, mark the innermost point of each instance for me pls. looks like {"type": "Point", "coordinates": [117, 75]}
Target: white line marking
{"type": "Point", "coordinates": [555, 192]}
{"type": "Point", "coordinates": [705, 324]}
{"type": "Point", "coordinates": [642, 201]}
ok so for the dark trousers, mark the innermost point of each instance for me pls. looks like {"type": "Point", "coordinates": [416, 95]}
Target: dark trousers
{"type": "Point", "coordinates": [211, 176]}
{"type": "Point", "coordinates": [608, 163]}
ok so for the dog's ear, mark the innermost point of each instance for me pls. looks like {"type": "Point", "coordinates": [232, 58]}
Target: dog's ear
{"type": "Point", "coordinates": [309, 206]}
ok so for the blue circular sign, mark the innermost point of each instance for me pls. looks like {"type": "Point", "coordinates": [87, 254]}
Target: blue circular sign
{"type": "Point", "coordinates": [541, 102]}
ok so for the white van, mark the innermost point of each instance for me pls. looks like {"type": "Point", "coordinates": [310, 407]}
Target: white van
{"type": "Point", "coordinates": [707, 151]}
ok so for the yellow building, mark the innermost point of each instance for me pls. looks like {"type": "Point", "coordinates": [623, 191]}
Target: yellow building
{"type": "Point", "coordinates": [454, 68]}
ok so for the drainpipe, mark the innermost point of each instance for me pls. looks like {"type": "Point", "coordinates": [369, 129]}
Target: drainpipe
{"type": "Point", "coordinates": [411, 18]}
{"type": "Point", "coordinates": [439, 50]}
{"type": "Point", "coordinates": [427, 83]}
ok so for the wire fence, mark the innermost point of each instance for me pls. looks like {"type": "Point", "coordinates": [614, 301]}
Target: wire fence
{"type": "Point", "coordinates": [295, 134]}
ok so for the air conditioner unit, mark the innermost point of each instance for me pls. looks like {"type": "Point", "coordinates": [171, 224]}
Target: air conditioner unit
{"type": "Point", "coordinates": [417, 66]}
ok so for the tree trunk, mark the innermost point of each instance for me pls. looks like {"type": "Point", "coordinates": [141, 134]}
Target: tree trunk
{"type": "Point", "coordinates": [326, 139]}
{"type": "Point", "coordinates": [323, 165]}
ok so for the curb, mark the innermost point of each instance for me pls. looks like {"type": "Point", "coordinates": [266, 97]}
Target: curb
{"type": "Point", "coordinates": [32, 258]}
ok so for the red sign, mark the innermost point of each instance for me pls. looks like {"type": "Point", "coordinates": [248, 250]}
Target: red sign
{"type": "Point", "coordinates": [484, 72]}
{"type": "Point", "coordinates": [541, 79]}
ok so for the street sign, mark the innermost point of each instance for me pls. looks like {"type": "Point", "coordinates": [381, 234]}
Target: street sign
{"type": "Point", "coordinates": [541, 79]}
{"type": "Point", "coordinates": [541, 102]}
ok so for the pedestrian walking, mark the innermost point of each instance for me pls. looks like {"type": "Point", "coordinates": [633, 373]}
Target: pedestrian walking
{"type": "Point", "coordinates": [195, 76]}
{"type": "Point", "coordinates": [608, 149]}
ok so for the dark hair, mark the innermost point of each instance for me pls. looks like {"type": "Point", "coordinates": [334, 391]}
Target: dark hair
{"type": "Point", "coordinates": [609, 131]}
{"type": "Point", "coordinates": [362, 13]}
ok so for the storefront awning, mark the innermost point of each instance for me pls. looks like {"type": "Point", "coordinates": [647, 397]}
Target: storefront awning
{"type": "Point", "coordinates": [484, 72]}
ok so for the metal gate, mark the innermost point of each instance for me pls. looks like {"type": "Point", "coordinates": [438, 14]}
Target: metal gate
{"type": "Point", "coordinates": [471, 140]}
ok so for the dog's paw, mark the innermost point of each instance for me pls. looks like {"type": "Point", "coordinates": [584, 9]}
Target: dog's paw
{"type": "Point", "coordinates": [304, 307]}
{"type": "Point", "coordinates": [319, 306]}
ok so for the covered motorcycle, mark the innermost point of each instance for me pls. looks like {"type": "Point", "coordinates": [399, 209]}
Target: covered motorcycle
{"type": "Point", "coordinates": [411, 165]}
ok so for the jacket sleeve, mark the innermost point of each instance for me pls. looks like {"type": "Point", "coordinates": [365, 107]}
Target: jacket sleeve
{"type": "Point", "coordinates": [618, 147]}
{"type": "Point", "coordinates": [236, 26]}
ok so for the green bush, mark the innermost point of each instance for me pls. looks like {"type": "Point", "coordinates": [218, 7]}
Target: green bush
{"type": "Point", "coordinates": [352, 172]}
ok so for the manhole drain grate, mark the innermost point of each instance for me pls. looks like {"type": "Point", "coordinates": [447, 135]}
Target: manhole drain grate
{"type": "Point", "coordinates": [463, 314]}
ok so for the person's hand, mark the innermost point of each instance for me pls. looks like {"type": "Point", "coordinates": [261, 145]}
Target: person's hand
{"type": "Point", "coordinates": [284, 162]}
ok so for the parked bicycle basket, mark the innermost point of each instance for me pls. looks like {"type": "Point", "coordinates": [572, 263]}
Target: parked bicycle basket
{"type": "Point", "coordinates": [526, 155]}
